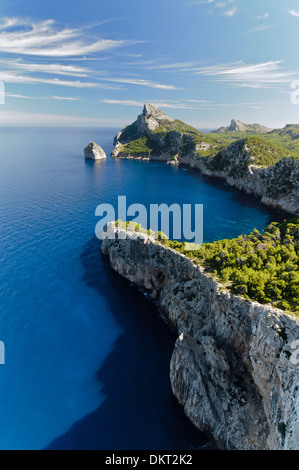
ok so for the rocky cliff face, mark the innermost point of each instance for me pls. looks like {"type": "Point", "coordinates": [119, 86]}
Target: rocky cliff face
{"type": "Point", "coordinates": [93, 151]}
{"type": "Point", "coordinates": [151, 118]}
{"type": "Point", "coordinates": [277, 185]}
{"type": "Point", "coordinates": [231, 368]}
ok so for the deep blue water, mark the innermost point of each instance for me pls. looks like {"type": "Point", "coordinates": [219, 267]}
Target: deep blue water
{"type": "Point", "coordinates": [87, 356]}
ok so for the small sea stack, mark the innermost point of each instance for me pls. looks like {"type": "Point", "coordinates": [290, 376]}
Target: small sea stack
{"type": "Point", "coordinates": [93, 151]}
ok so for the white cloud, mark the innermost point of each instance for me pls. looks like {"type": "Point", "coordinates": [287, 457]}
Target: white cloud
{"type": "Point", "coordinates": [65, 98]}
{"type": "Point", "coordinates": [294, 13]}
{"type": "Point", "coordinates": [231, 12]}
{"type": "Point", "coordinates": [12, 77]}
{"type": "Point", "coordinates": [43, 38]}
{"type": "Point", "coordinates": [123, 102]}
{"type": "Point", "coordinates": [214, 4]}
{"type": "Point", "coordinates": [26, 97]}
{"type": "Point", "coordinates": [54, 69]}
{"type": "Point", "coordinates": [263, 17]}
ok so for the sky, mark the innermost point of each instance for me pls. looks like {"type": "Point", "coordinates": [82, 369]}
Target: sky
{"type": "Point", "coordinates": [95, 63]}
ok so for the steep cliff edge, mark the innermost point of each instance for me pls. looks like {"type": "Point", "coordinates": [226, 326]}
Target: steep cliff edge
{"type": "Point", "coordinates": [231, 368]}
{"type": "Point", "coordinates": [252, 164]}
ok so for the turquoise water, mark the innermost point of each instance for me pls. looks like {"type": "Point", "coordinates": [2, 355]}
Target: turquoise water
{"type": "Point", "coordinates": [87, 356]}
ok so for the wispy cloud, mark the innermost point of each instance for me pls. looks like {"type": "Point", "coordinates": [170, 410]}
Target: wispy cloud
{"type": "Point", "coordinates": [261, 75]}
{"type": "Point", "coordinates": [26, 97]}
{"type": "Point", "coordinates": [195, 104]}
{"type": "Point", "coordinates": [217, 5]}
{"type": "Point", "coordinates": [12, 77]}
{"type": "Point", "coordinates": [141, 82]}
{"type": "Point", "coordinates": [46, 68]}
{"type": "Point", "coordinates": [160, 103]}
{"type": "Point", "coordinates": [231, 12]}
{"type": "Point", "coordinates": [263, 17]}
{"type": "Point", "coordinates": [64, 98]}
{"type": "Point", "coordinates": [44, 38]}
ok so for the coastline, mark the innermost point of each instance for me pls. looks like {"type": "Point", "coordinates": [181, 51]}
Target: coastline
{"type": "Point", "coordinates": [252, 185]}
{"type": "Point", "coordinates": [231, 368]}
{"type": "Point", "coordinates": [269, 173]}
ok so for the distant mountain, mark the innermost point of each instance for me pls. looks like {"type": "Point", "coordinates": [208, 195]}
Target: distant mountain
{"type": "Point", "coordinates": [238, 126]}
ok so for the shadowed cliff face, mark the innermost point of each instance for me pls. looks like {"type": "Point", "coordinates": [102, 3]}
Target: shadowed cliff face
{"type": "Point", "coordinates": [231, 368]}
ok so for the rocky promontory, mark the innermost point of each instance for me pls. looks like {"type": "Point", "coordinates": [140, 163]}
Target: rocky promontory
{"type": "Point", "coordinates": [231, 368]}
{"type": "Point", "coordinates": [93, 151]}
{"type": "Point", "coordinates": [252, 164]}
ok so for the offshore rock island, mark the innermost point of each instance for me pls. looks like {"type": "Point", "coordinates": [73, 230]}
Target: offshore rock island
{"type": "Point", "coordinates": [247, 157]}
{"type": "Point", "coordinates": [231, 367]}
{"type": "Point", "coordinates": [93, 151]}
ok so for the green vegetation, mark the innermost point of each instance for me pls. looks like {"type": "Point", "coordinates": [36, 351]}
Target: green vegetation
{"type": "Point", "coordinates": [260, 266]}
{"type": "Point", "coordinates": [287, 138]}
{"type": "Point", "coordinates": [141, 146]}
{"type": "Point", "coordinates": [265, 153]}
{"type": "Point", "coordinates": [255, 150]}
{"type": "Point", "coordinates": [176, 125]}
{"type": "Point", "coordinates": [263, 149]}
{"type": "Point", "coordinates": [260, 151]}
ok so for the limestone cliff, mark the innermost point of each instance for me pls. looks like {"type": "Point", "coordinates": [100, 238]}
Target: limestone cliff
{"type": "Point", "coordinates": [231, 367]}
{"type": "Point", "coordinates": [250, 164]}
{"type": "Point", "coordinates": [93, 151]}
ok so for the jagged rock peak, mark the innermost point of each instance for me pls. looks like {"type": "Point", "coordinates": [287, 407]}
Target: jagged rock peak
{"type": "Point", "coordinates": [151, 110]}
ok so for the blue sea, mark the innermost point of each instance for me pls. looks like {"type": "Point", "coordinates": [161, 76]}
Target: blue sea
{"type": "Point", "coordinates": [87, 355]}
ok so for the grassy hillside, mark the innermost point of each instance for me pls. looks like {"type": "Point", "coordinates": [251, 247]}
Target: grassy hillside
{"type": "Point", "coordinates": [287, 138]}
{"type": "Point", "coordinates": [141, 146]}
{"type": "Point", "coordinates": [178, 126]}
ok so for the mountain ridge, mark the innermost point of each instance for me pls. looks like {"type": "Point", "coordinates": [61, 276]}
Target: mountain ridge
{"type": "Point", "coordinates": [239, 126]}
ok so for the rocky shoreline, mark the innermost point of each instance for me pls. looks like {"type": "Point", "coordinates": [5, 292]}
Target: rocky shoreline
{"type": "Point", "coordinates": [276, 186]}
{"type": "Point", "coordinates": [231, 367]}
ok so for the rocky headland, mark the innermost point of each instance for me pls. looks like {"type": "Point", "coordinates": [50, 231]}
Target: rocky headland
{"type": "Point", "coordinates": [251, 164]}
{"type": "Point", "coordinates": [231, 368]}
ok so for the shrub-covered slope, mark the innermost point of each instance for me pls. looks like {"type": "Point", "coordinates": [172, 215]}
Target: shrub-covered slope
{"type": "Point", "coordinates": [260, 266]}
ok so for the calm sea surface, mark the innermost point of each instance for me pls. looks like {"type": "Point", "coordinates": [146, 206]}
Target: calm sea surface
{"type": "Point", "coordinates": [87, 356]}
